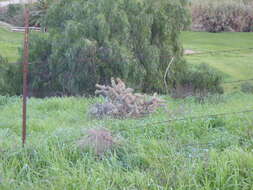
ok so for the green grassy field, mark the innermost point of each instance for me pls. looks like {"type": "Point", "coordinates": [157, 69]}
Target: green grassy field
{"type": "Point", "coordinates": [235, 65]}
{"type": "Point", "coordinates": [209, 153]}
{"type": "Point", "coordinates": [203, 41]}
{"type": "Point", "coordinates": [10, 42]}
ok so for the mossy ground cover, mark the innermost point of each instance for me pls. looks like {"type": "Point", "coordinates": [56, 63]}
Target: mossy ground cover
{"type": "Point", "coordinates": [207, 153]}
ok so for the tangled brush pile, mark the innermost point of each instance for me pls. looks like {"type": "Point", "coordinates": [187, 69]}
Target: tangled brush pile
{"type": "Point", "coordinates": [122, 102]}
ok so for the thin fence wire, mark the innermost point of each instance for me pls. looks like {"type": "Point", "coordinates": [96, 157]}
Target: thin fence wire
{"type": "Point", "coordinates": [168, 121]}
{"type": "Point", "coordinates": [237, 81]}
{"type": "Point", "coordinates": [12, 42]}
{"type": "Point", "coordinates": [203, 147]}
{"type": "Point", "coordinates": [219, 51]}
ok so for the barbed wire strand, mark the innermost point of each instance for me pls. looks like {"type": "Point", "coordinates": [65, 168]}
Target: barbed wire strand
{"type": "Point", "coordinates": [237, 81]}
{"type": "Point", "coordinates": [194, 118]}
{"type": "Point", "coordinates": [218, 52]}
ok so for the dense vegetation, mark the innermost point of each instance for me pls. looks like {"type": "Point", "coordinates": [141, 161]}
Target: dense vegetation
{"type": "Point", "coordinates": [230, 53]}
{"type": "Point", "coordinates": [208, 153]}
{"type": "Point", "coordinates": [14, 13]}
{"type": "Point", "coordinates": [190, 152]}
{"type": "Point", "coordinates": [91, 41]}
{"type": "Point", "coordinates": [222, 15]}
{"type": "Point", "coordinates": [234, 65]}
{"type": "Point", "coordinates": [10, 43]}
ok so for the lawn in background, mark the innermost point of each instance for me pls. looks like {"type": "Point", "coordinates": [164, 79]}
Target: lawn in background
{"type": "Point", "coordinates": [10, 42]}
{"type": "Point", "coordinates": [204, 41]}
{"type": "Point", "coordinates": [235, 65]}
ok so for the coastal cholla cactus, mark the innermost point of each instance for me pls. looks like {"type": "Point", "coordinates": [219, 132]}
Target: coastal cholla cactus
{"type": "Point", "coordinates": [122, 102]}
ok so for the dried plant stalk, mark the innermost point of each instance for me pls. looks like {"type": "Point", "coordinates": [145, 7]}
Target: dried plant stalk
{"type": "Point", "coordinates": [99, 140]}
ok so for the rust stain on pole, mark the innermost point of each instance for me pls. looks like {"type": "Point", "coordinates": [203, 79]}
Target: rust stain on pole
{"type": "Point", "coordinates": [25, 73]}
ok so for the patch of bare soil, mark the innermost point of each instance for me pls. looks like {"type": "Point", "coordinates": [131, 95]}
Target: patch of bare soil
{"type": "Point", "coordinates": [189, 52]}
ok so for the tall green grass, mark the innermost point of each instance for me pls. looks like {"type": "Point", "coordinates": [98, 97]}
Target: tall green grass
{"type": "Point", "coordinates": [209, 153]}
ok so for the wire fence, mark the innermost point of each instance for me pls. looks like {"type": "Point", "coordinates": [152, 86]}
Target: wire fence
{"type": "Point", "coordinates": [219, 51]}
{"type": "Point", "coordinates": [17, 43]}
{"type": "Point", "coordinates": [190, 118]}
{"type": "Point", "coordinates": [237, 81]}
{"type": "Point", "coordinates": [195, 118]}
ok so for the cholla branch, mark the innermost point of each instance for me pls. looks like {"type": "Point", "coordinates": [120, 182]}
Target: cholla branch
{"type": "Point", "coordinates": [122, 102]}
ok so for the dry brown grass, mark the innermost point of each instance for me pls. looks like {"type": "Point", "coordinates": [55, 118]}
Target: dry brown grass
{"type": "Point", "coordinates": [226, 15]}
{"type": "Point", "coordinates": [98, 140]}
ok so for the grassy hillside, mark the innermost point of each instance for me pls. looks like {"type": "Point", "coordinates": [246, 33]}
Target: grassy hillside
{"type": "Point", "coordinates": [236, 65]}
{"type": "Point", "coordinates": [202, 153]}
{"type": "Point", "coordinates": [208, 153]}
{"type": "Point", "coordinates": [10, 42]}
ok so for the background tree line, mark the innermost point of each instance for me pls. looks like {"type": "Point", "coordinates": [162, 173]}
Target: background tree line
{"type": "Point", "coordinates": [90, 41]}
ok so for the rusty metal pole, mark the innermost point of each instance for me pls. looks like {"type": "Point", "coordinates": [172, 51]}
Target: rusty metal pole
{"type": "Point", "coordinates": [25, 72]}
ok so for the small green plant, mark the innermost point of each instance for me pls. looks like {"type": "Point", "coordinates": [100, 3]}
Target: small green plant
{"type": "Point", "coordinates": [10, 78]}
{"type": "Point", "coordinates": [247, 87]}
{"type": "Point", "coordinates": [199, 81]}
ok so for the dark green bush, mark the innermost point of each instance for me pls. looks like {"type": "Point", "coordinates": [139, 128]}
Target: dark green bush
{"type": "Point", "coordinates": [13, 14]}
{"type": "Point", "coordinates": [200, 81]}
{"type": "Point", "coordinates": [91, 41]}
{"type": "Point", "coordinates": [10, 78]}
{"type": "Point", "coordinates": [247, 87]}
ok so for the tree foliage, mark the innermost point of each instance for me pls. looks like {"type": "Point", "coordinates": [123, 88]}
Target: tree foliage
{"type": "Point", "coordinates": [90, 41]}
{"type": "Point", "coordinates": [10, 78]}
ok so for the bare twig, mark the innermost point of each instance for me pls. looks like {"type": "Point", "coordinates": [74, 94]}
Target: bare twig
{"type": "Point", "coordinates": [166, 74]}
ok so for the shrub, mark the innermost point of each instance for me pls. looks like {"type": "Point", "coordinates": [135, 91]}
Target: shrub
{"type": "Point", "coordinates": [219, 16]}
{"type": "Point", "coordinates": [10, 78]}
{"type": "Point", "coordinates": [13, 14]}
{"type": "Point", "coordinates": [92, 41]}
{"type": "Point", "coordinates": [199, 81]}
{"type": "Point", "coordinates": [247, 87]}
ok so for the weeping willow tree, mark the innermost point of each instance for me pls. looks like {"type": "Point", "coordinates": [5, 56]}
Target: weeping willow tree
{"type": "Point", "coordinates": [90, 41]}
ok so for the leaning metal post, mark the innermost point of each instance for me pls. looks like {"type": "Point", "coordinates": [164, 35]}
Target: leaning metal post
{"type": "Point", "coordinates": [25, 72]}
